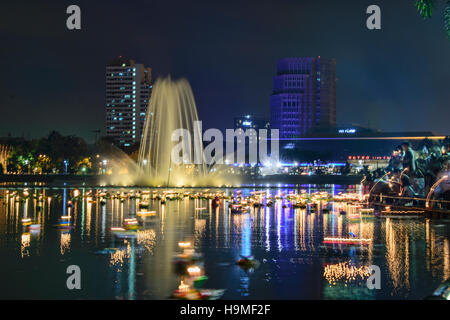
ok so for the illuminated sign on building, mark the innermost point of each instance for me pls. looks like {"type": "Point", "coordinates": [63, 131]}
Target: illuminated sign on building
{"type": "Point", "coordinates": [347, 130]}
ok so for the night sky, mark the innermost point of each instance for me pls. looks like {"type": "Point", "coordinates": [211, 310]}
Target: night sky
{"type": "Point", "coordinates": [398, 78]}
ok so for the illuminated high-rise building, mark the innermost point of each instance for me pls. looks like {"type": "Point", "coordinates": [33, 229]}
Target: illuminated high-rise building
{"type": "Point", "coordinates": [304, 96]}
{"type": "Point", "coordinates": [128, 91]}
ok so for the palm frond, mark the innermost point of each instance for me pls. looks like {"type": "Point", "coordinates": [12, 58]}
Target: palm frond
{"type": "Point", "coordinates": [425, 7]}
{"type": "Point", "coordinates": [447, 19]}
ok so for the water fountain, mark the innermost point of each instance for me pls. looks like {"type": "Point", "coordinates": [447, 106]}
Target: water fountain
{"type": "Point", "coordinates": [172, 107]}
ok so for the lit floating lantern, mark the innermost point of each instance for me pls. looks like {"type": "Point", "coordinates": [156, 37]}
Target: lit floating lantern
{"type": "Point", "coordinates": [26, 221]}
{"type": "Point", "coordinates": [117, 229]}
{"type": "Point", "coordinates": [184, 244]}
{"type": "Point", "coordinates": [194, 271]}
{"type": "Point", "coordinates": [348, 241]}
{"type": "Point", "coordinates": [183, 287]}
{"type": "Point", "coordinates": [144, 213]}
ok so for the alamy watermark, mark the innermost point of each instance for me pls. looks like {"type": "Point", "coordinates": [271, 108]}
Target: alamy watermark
{"type": "Point", "coordinates": [373, 22]}
{"type": "Point", "coordinates": [73, 21]}
{"type": "Point", "coordinates": [374, 280]}
{"type": "Point", "coordinates": [189, 148]}
{"type": "Point", "coordinates": [74, 280]}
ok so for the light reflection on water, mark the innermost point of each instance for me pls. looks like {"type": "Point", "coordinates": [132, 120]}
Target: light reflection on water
{"type": "Point", "coordinates": [413, 254]}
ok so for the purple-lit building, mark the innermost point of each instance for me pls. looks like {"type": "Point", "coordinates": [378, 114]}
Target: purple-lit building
{"type": "Point", "coordinates": [304, 96]}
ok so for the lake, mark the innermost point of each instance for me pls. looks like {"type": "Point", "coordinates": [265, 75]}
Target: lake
{"type": "Point", "coordinates": [294, 262]}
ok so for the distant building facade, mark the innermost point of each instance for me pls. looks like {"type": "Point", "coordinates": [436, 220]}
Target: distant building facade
{"type": "Point", "coordinates": [251, 122]}
{"type": "Point", "coordinates": [355, 143]}
{"type": "Point", "coordinates": [304, 96]}
{"type": "Point", "coordinates": [128, 91]}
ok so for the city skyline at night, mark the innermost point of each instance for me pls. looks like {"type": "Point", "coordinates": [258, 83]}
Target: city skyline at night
{"type": "Point", "coordinates": [264, 154]}
{"type": "Point", "coordinates": [229, 64]}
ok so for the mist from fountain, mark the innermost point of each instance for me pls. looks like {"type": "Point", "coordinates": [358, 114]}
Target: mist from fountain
{"type": "Point", "coordinates": [120, 169]}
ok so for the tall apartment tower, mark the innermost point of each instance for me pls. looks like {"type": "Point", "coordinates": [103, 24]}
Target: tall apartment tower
{"type": "Point", "coordinates": [128, 91]}
{"type": "Point", "coordinates": [304, 96]}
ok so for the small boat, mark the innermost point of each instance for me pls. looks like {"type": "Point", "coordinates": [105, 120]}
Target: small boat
{"type": "Point", "coordinates": [353, 217]}
{"type": "Point", "coordinates": [299, 205]}
{"type": "Point", "coordinates": [184, 244]}
{"type": "Point", "coordinates": [195, 294]}
{"type": "Point", "coordinates": [64, 223]}
{"type": "Point", "coordinates": [144, 213]}
{"type": "Point", "coordinates": [367, 210]}
{"type": "Point", "coordinates": [248, 263]}
{"type": "Point", "coordinates": [122, 233]}
{"type": "Point", "coordinates": [125, 234]}
{"type": "Point", "coordinates": [144, 204]}
{"type": "Point", "coordinates": [237, 208]}
{"type": "Point", "coordinates": [36, 226]}
{"type": "Point", "coordinates": [347, 241]}
{"type": "Point", "coordinates": [64, 226]}
{"type": "Point", "coordinates": [26, 222]}
{"type": "Point", "coordinates": [199, 281]}
{"type": "Point", "coordinates": [131, 224]}
{"type": "Point", "coordinates": [188, 256]}
{"type": "Point", "coordinates": [441, 293]}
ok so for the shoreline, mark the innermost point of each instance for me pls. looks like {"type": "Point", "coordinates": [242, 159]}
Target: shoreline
{"type": "Point", "coordinates": [246, 181]}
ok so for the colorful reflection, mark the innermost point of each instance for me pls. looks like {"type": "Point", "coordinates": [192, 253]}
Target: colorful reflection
{"type": "Point", "coordinates": [286, 231]}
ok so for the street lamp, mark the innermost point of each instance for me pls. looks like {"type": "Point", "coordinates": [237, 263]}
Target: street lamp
{"type": "Point", "coordinates": [104, 162]}
{"type": "Point", "coordinates": [66, 163]}
{"type": "Point", "coordinates": [28, 167]}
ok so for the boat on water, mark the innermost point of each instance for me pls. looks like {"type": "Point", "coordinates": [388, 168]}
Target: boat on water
{"type": "Point", "coordinates": [64, 223]}
{"type": "Point", "coordinates": [123, 233]}
{"type": "Point", "coordinates": [144, 204]}
{"type": "Point", "coordinates": [131, 224]}
{"type": "Point", "coordinates": [238, 208]}
{"type": "Point", "coordinates": [64, 226]}
{"type": "Point", "coordinates": [146, 213]}
{"type": "Point", "coordinates": [248, 263]}
{"type": "Point", "coordinates": [346, 241]}
{"type": "Point", "coordinates": [441, 293]}
{"type": "Point", "coordinates": [187, 256]}
{"type": "Point", "coordinates": [383, 210]}
{"type": "Point", "coordinates": [35, 226]}
{"type": "Point", "coordinates": [185, 292]}
{"type": "Point", "coordinates": [26, 222]}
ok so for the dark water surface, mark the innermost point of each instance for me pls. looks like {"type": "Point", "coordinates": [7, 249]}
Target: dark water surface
{"type": "Point", "coordinates": [413, 254]}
